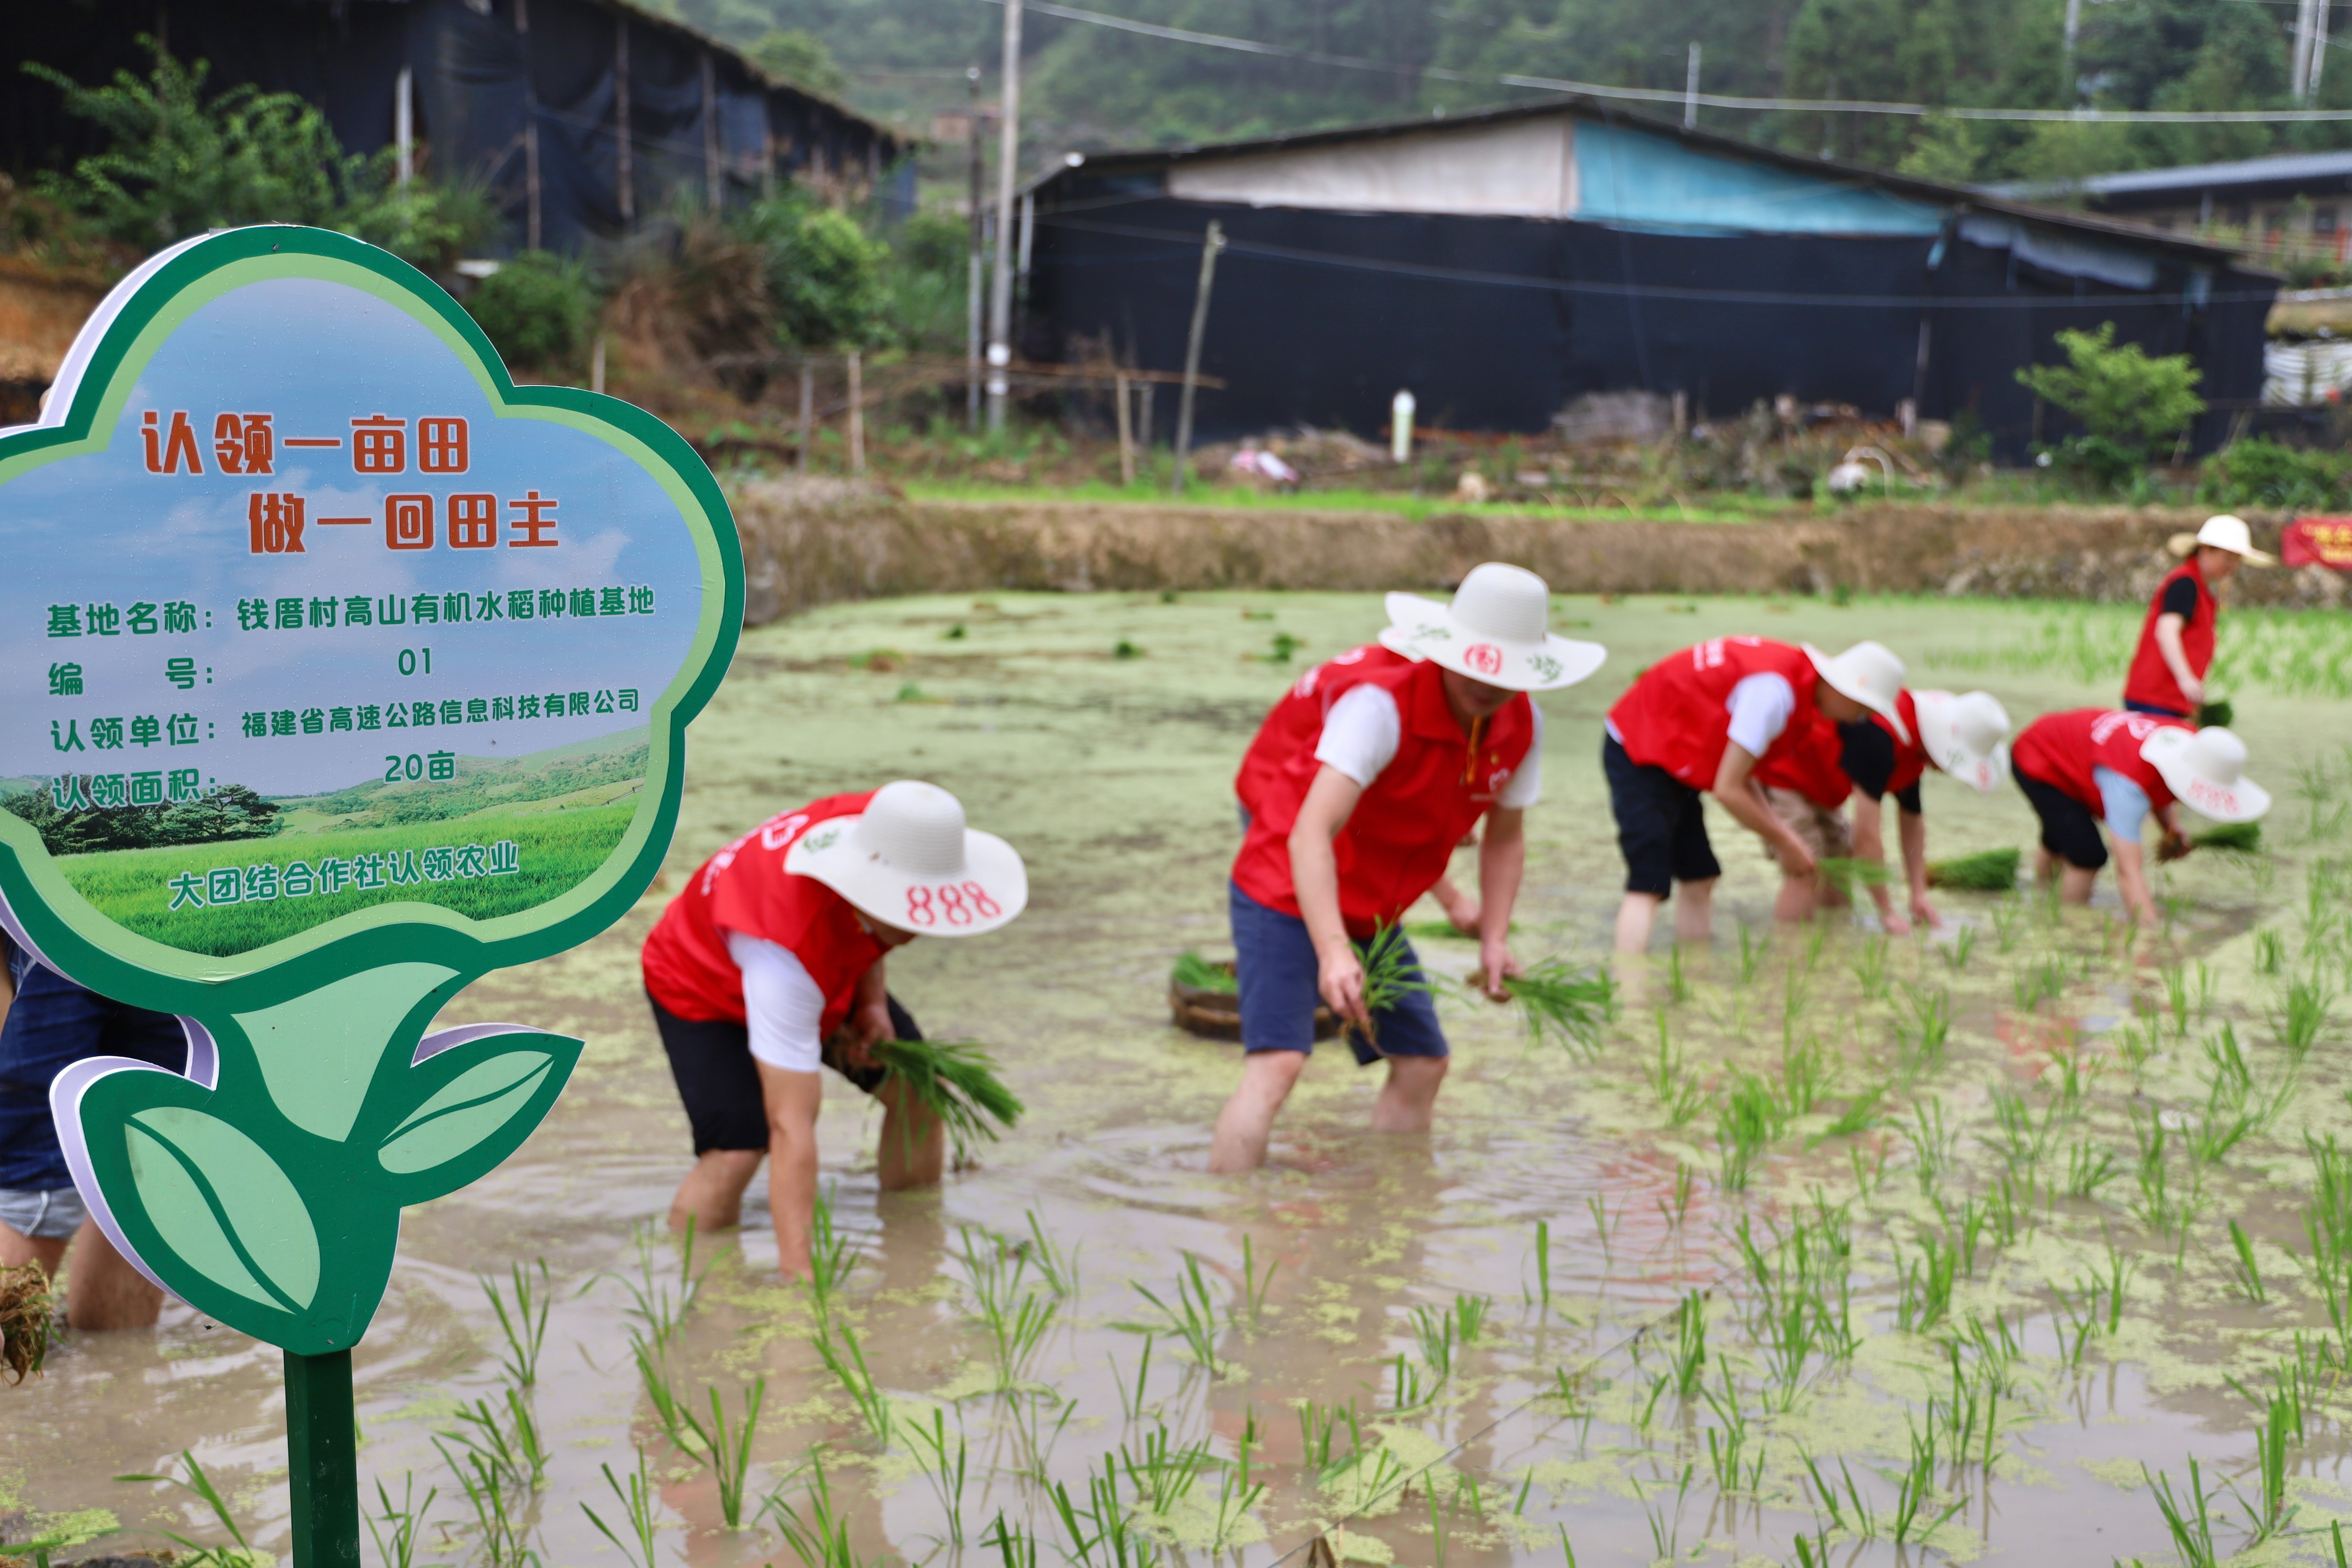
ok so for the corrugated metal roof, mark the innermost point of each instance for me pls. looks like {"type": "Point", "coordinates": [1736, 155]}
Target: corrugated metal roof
{"type": "Point", "coordinates": [2285, 168]}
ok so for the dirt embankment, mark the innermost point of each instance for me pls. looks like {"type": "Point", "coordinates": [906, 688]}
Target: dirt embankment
{"type": "Point", "coordinates": [809, 542]}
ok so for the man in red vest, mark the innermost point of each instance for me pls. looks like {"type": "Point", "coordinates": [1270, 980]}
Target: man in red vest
{"type": "Point", "coordinates": [1699, 722]}
{"type": "Point", "coordinates": [2175, 641]}
{"type": "Point", "coordinates": [2094, 765]}
{"type": "Point", "coordinates": [1875, 757]}
{"type": "Point", "coordinates": [769, 966]}
{"type": "Point", "coordinates": [1357, 816]}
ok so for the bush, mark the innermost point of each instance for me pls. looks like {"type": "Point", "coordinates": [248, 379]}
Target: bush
{"type": "Point", "coordinates": [823, 273]}
{"type": "Point", "coordinates": [537, 309]}
{"type": "Point", "coordinates": [2260, 472]}
{"type": "Point", "coordinates": [180, 163]}
{"type": "Point", "coordinates": [2127, 401]}
{"type": "Point", "coordinates": [924, 281]}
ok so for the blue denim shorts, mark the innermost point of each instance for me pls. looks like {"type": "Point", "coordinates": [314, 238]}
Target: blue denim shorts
{"type": "Point", "coordinates": [1278, 971]}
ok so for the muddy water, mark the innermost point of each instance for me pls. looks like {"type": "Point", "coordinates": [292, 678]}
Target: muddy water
{"type": "Point", "coordinates": [1113, 776]}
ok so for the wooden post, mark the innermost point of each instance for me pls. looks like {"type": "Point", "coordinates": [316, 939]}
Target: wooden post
{"type": "Point", "coordinates": [808, 413]}
{"type": "Point", "coordinates": [1125, 436]}
{"type": "Point", "coordinates": [974, 275]}
{"type": "Point", "coordinates": [404, 126]}
{"type": "Point", "coordinates": [596, 366]}
{"type": "Point", "coordinates": [529, 131]}
{"type": "Point", "coordinates": [767, 160]}
{"type": "Point", "coordinates": [1143, 436]}
{"type": "Point", "coordinates": [625, 152]}
{"type": "Point", "coordinates": [857, 414]}
{"type": "Point", "coordinates": [710, 133]}
{"type": "Point", "coordinates": [1211, 243]}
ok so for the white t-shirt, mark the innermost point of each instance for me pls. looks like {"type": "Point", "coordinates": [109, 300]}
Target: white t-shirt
{"type": "Point", "coordinates": [1363, 730]}
{"type": "Point", "coordinates": [780, 1002]}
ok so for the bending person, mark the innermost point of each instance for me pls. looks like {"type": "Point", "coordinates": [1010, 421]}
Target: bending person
{"type": "Point", "coordinates": [1698, 722]}
{"type": "Point", "coordinates": [768, 967]}
{"type": "Point", "coordinates": [2176, 642]}
{"type": "Point", "coordinates": [2093, 765]}
{"type": "Point", "coordinates": [1360, 817]}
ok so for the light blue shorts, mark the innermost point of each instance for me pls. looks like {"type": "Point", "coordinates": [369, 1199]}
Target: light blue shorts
{"type": "Point", "coordinates": [52, 1216]}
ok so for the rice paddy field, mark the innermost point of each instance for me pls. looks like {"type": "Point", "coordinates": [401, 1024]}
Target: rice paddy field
{"type": "Point", "coordinates": [2028, 1240]}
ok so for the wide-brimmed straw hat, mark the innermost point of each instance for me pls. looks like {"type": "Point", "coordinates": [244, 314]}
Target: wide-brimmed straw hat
{"type": "Point", "coordinates": [1870, 674]}
{"type": "Point", "coordinates": [1495, 630]}
{"type": "Point", "coordinates": [1967, 737]}
{"type": "Point", "coordinates": [909, 861]}
{"type": "Point", "coordinates": [2206, 770]}
{"type": "Point", "coordinates": [2224, 531]}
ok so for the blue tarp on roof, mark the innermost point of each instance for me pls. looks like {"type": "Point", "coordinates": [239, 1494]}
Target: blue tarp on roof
{"type": "Point", "coordinates": [1636, 179]}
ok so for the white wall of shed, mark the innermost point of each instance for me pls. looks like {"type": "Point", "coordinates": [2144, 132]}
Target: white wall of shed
{"type": "Point", "coordinates": [1521, 168]}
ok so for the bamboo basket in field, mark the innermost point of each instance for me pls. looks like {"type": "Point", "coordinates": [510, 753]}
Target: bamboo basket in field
{"type": "Point", "coordinates": [1214, 1013]}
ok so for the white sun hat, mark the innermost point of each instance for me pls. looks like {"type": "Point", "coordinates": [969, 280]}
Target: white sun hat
{"type": "Point", "coordinates": [2206, 770]}
{"type": "Point", "coordinates": [1870, 674]}
{"type": "Point", "coordinates": [1495, 630]}
{"type": "Point", "coordinates": [909, 861]}
{"type": "Point", "coordinates": [1967, 737]}
{"type": "Point", "coordinates": [2224, 531]}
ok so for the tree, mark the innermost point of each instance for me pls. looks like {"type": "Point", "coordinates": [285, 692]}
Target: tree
{"type": "Point", "coordinates": [2127, 401]}
{"type": "Point", "coordinates": [802, 59]}
{"type": "Point", "coordinates": [823, 273]}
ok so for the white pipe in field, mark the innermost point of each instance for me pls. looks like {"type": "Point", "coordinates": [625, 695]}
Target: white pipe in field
{"type": "Point", "coordinates": [1400, 428]}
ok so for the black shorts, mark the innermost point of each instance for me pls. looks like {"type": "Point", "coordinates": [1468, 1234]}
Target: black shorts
{"type": "Point", "coordinates": [1661, 826]}
{"type": "Point", "coordinates": [2068, 829]}
{"type": "Point", "coordinates": [720, 1082]}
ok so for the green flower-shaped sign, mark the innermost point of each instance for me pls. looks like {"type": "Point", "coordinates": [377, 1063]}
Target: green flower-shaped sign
{"type": "Point", "coordinates": [348, 670]}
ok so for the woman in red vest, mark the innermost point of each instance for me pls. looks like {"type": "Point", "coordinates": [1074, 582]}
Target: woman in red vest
{"type": "Point", "coordinates": [2091, 765]}
{"type": "Point", "coordinates": [768, 966]}
{"type": "Point", "coordinates": [1359, 818]}
{"type": "Point", "coordinates": [1699, 722]}
{"type": "Point", "coordinates": [2175, 641]}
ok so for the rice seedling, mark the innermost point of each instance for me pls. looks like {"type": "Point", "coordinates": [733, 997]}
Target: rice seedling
{"type": "Point", "coordinates": [1870, 967]}
{"type": "Point", "coordinates": [1103, 1525]}
{"type": "Point", "coordinates": [1434, 1335]}
{"type": "Point", "coordinates": [2230, 838]}
{"type": "Point", "coordinates": [956, 1084]}
{"type": "Point", "coordinates": [2303, 1013]}
{"type": "Point", "coordinates": [1665, 1529]}
{"type": "Point", "coordinates": [2008, 923]}
{"type": "Point", "coordinates": [1565, 1003]}
{"type": "Point", "coordinates": [1197, 972]}
{"type": "Point", "coordinates": [2162, 1207]}
{"type": "Point", "coordinates": [1861, 1114]}
{"type": "Point", "coordinates": [1598, 1208]}
{"type": "Point", "coordinates": [945, 1473]}
{"type": "Point", "coordinates": [1034, 1440]}
{"type": "Point", "coordinates": [2186, 1520]}
{"type": "Point", "coordinates": [1255, 1286]}
{"type": "Point", "coordinates": [639, 1502]}
{"type": "Point", "coordinates": [498, 1534]}
{"type": "Point", "coordinates": [2046, 977]}
{"type": "Point", "coordinates": [2270, 953]}
{"type": "Point", "coordinates": [1808, 1075]}
{"type": "Point", "coordinates": [653, 1299]}
{"type": "Point", "coordinates": [1543, 1268]}
{"type": "Point", "coordinates": [1677, 1086]}
{"type": "Point", "coordinates": [507, 1441]}
{"type": "Point", "coordinates": [1752, 949]}
{"type": "Point", "coordinates": [1750, 1118]}
{"type": "Point", "coordinates": [1688, 1357]}
{"type": "Point", "coordinates": [1932, 1140]}
{"type": "Point", "coordinates": [524, 1323]}
{"type": "Point", "coordinates": [1015, 1320]}
{"type": "Point", "coordinates": [1678, 985]}
{"type": "Point", "coordinates": [1017, 1548]}
{"type": "Point", "coordinates": [1924, 1285]}
{"type": "Point", "coordinates": [831, 1255]}
{"type": "Point", "coordinates": [1796, 996]}
{"type": "Point", "coordinates": [1391, 971]}
{"type": "Point", "coordinates": [2089, 1167]}
{"type": "Point", "coordinates": [1923, 1026]}
{"type": "Point", "coordinates": [1056, 1266]}
{"type": "Point", "coordinates": [2245, 1273]}
{"type": "Point", "coordinates": [2076, 1320]}
{"type": "Point", "coordinates": [2175, 996]}
{"type": "Point", "coordinates": [820, 1537]}
{"type": "Point", "coordinates": [1985, 871]}
{"type": "Point", "coordinates": [2270, 1513]}
{"type": "Point", "coordinates": [728, 1453]}
{"type": "Point", "coordinates": [1133, 1406]}
{"type": "Point", "coordinates": [1193, 1318]}
{"type": "Point", "coordinates": [2327, 1217]}
{"type": "Point", "coordinates": [654, 1378]}
{"type": "Point", "coordinates": [395, 1541]}
{"type": "Point", "coordinates": [1958, 950]}
{"type": "Point", "coordinates": [1685, 1185]}
{"type": "Point", "coordinates": [1916, 1490]}
{"type": "Point", "coordinates": [847, 1362]}
{"type": "Point", "coordinates": [1161, 1472]}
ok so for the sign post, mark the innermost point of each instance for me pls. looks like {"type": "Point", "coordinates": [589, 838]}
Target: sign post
{"type": "Point", "coordinates": [346, 671]}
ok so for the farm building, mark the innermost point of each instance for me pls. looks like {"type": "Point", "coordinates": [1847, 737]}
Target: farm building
{"type": "Point", "coordinates": [1501, 264]}
{"type": "Point", "coordinates": [2290, 205]}
{"type": "Point", "coordinates": [585, 117]}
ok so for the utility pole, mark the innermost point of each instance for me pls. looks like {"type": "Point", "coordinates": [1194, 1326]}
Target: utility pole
{"type": "Point", "coordinates": [976, 273]}
{"type": "Point", "coordinates": [2074, 30]}
{"type": "Point", "coordinates": [1690, 90]}
{"type": "Point", "coordinates": [1008, 158]}
{"type": "Point", "coordinates": [1211, 243]}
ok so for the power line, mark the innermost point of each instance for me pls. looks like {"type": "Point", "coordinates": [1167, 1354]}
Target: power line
{"type": "Point", "coordinates": [1705, 99]}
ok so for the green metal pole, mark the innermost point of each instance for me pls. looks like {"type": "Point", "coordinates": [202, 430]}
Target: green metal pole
{"type": "Point", "coordinates": [323, 1456]}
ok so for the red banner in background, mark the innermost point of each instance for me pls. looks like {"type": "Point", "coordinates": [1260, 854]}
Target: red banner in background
{"type": "Point", "coordinates": [2318, 542]}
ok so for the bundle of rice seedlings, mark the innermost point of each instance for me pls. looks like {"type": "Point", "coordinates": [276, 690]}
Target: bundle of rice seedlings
{"type": "Point", "coordinates": [2218, 712]}
{"type": "Point", "coordinates": [1561, 1001]}
{"type": "Point", "coordinates": [956, 1081]}
{"type": "Point", "coordinates": [25, 1306]}
{"type": "Point", "coordinates": [1845, 873]}
{"type": "Point", "coordinates": [1986, 871]}
{"type": "Point", "coordinates": [2230, 838]}
{"type": "Point", "coordinates": [1391, 971]}
{"type": "Point", "coordinates": [1199, 974]}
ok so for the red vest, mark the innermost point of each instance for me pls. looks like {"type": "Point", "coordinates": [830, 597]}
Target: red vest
{"type": "Point", "coordinates": [2061, 749]}
{"type": "Point", "coordinates": [745, 887]}
{"type": "Point", "coordinates": [1810, 766]}
{"type": "Point", "coordinates": [1911, 755]}
{"type": "Point", "coordinates": [2150, 679]}
{"type": "Point", "coordinates": [1401, 836]}
{"type": "Point", "coordinates": [1674, 715]}
{"type": "Point", "coordinates": [1299, 716]}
